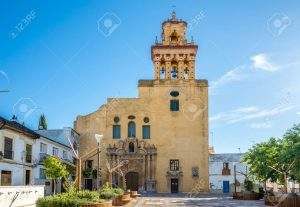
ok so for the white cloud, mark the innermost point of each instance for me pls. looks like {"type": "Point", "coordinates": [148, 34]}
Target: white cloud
{"type": "Point", "coordinates": [262, 125]}
{"type": "Point", "coordinates": [234, 75]}
{"type": "Point", "coordinates": [261, 62]}
{"type": "Point", "coordinates": [248, 109]}
{"type": "Point", "coordinates": [298, 113]}
{"type": "Point", "coordinates": [249, 113]}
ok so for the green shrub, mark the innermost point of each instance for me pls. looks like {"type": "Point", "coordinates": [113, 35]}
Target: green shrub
{"type": "Point", "coordinates": [118, 191]}
{"type": "Point", "coordinates": [107, 192]}
{"type": "Point", "coordinates": [72, 199]}
{"type": "Point", "coordinates": [248, 185]}
{"type": "Point", "coordinates": [89, 195]}
{"type": "Point", "coordinates": [60, 201]}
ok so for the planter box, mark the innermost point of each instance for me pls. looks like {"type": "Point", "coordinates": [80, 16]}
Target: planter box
{"type": "Point", "coordinates": [126, 198]}
{"type": "Point", "coordinates": [104, 204]}
{"type": "Point", "coordinates": [134, 194]}
{"type": "Point", "coordinates": [245, 196]}
{"type": "Point", "coordinates": [117, 201]}
{"type": "Point", "coordinates": [289, 201]}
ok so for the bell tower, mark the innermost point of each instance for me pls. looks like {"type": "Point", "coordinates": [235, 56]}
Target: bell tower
{"type": "Point", "coordinates": [173, 56]}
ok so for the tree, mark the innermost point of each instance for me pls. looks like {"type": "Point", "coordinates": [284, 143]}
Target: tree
{"type": "Point", "coordinates": [292, 150]}
{"type": "Point", "coordinates": [276, 160]}
{"type": "Point", "coordinates": [259, 158]}
{"type": "Point", "coordinates": [115, 166]}
{"type": "Point", "coordinates": [43, 122]}
{"type": "Point", "coordinates": [55, 170]}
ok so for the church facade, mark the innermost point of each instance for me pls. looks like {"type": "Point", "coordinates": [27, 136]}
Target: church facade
{"type": "Point", "coordinates": [157, 142]}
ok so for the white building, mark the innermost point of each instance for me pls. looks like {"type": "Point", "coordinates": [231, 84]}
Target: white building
{"type": "Point", "coordinates": [52, 142]}
{"type": "Point", "coordinates": [222, 168]}
{"type": "Point", "coordinates": [16, 146]}
{"type": "Point", "coordinates": [22, 151]}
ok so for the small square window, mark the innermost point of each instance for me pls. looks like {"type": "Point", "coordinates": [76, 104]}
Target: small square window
{"type": "Point", "coordinates": [174, 105]}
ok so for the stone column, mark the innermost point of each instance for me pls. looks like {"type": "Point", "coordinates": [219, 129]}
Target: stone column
{"type": "Point", "coordinates": [168, 70]}
{"type": "Point", "coordinates": [149, 168]}
{"type": "Point", "coordinates": [154, 166]}
{"type": "Point", "coordinates": [157, 70]}
{"type": "Point", "coordinates": [180, 70]}
{"type": "Point", "coordinates": [191, 67]}
{"type": "Point", "coordinates": [146, 167]}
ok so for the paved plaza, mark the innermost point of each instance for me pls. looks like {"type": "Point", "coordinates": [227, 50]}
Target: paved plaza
{"type": "Point", "coordinates": [205, 201]}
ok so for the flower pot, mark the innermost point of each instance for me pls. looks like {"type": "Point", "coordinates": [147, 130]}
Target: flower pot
{"type": "Point", "coordinates": [125, 198]}
{"type": "Point", "coordinates": [117, 201]}
{"type": "Point", "coordinates": [134, 194]}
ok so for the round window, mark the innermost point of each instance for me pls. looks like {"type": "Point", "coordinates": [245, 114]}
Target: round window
{"type": "Point", "coordinates": [174, 93]}
{"type": "Point", "coordinates": [146, 120]}
{"type": "Point", "coordinates": [131, 117]}
{"type": "Point", "coordinates": [116, 119]}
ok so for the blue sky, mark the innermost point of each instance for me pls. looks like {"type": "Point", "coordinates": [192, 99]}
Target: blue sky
{"type": "Point", "coordinates": [54, 60]}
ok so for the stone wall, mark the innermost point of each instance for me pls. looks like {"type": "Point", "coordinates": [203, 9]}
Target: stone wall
{"type": "Point", "coordinates": [20, 196]}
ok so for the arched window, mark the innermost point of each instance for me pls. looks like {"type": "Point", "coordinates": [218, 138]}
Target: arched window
{"type": "Point", "coordinates": [186, 73]}
{"type": "Point", "coordinates": [174, 73]}
{"type": "Point", "coordinates": [174, 37]}
{"type": "Point", "coordinates": [162, 73]}
{"type": "Point", "coordinates": [131, 147]}
{"type": "Point", "coordinates": [131, 129]}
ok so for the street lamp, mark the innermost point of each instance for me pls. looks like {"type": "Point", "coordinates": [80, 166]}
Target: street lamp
{"type": "Point", "coordinates": [98, 138]}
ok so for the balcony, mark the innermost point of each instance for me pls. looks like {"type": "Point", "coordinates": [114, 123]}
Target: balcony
{"type": "Point", "coordinates": [226, 171]}
{"type": "Point", "coordinates": [8, 154]}
{"type": "Point", "coordinates": [28, 158]}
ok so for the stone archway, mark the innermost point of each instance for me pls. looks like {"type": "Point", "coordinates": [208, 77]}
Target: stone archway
{"type": "Point", "coordinates": [141, 160]}
{"type": "Point", "coordinates": [132, 181]}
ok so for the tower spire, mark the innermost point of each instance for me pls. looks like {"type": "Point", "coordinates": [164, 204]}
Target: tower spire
{"type": "Point", "coordinates": [173, 15]}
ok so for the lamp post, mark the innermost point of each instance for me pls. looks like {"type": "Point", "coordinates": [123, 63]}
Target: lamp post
{"type": "Point", "coordinates": [98, 138]}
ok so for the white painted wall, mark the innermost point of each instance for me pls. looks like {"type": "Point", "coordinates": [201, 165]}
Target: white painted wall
{"type": "Point", "coordinates": [36, 171]}
{"type": "Point", "coordinates": [216, 178]}
{"type": "Point", "coordinates": [17, 165]}
{"type": "Point", "coordinates": [24, 195]}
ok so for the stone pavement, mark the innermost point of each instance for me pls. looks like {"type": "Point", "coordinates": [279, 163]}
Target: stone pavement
{"type": "Point", "coordinates": [205, 201]}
